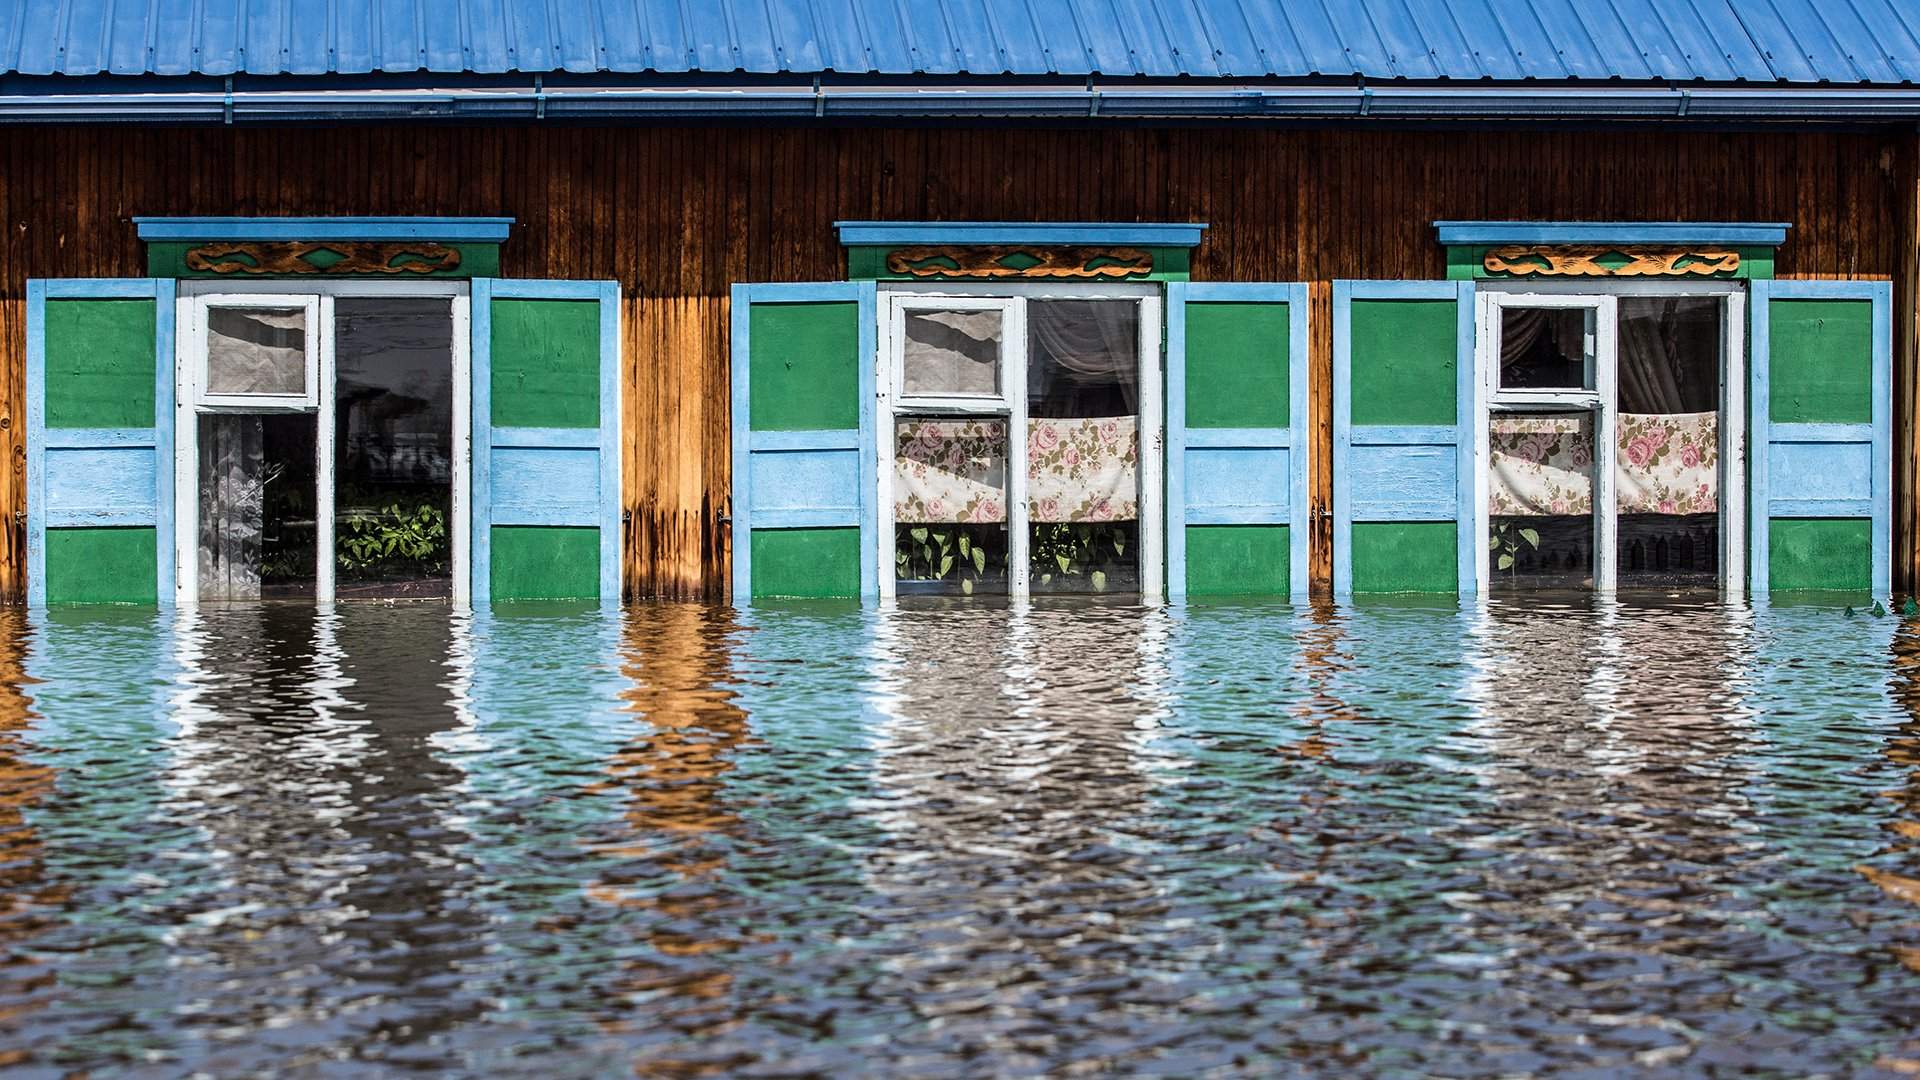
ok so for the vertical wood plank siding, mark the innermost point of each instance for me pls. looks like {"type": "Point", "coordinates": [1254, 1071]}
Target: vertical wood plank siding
{"type": "Point", "coordinates": [676, 215]}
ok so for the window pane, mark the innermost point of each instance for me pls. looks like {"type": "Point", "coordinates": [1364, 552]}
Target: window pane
{"type": "Point", "coordinates": [950, 506]}
{"type": "Point", "coordinates": [393, 447]}
{"type": "Point", "coordinates": [1083, 446]}
{"type": "Point", "coordinates": [1544, 349]}
{"type": "Point", "coordinates": [1540, 499]}
{"type": "Point", "coordinates": [256, 350]}
{"type": "Point", "coordinates": [1667, 477]}
{"type": "Point", "coordinates": [952, 352]}
{"type": "Point", "coordinates": [257, 526]}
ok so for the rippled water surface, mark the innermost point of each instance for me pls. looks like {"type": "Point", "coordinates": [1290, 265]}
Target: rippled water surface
{"type": "Point", "coordinates": [961, 841]}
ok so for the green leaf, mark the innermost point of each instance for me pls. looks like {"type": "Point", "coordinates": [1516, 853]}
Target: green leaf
{"type": "Point", "coordinates": [1506, 562]}
{"type": "Point", "coordinates": [919, 535]}
{"type": "Point", "coordinates": [964, 544]}
{"type": "Point", "coordinates": [1531, 536]}
{"type": "Point", "coordinates": [946, 565]}
{"type": "Point", "coordinates": [1119, 542]}
{"type": "Point", "coordinates": [980, 560]}
{"type": "Point", "coordinates": [966, 586]}
{"type": "Point", "coordinates": [1099, 581]}
{"type": "Point", "coordinates": [1063, 561]}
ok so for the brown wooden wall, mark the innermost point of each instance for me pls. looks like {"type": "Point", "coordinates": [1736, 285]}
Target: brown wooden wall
{"type": "Point", "coordinates": [677, 215]}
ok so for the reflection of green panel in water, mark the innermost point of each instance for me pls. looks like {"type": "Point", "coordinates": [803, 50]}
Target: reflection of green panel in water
{"type": "Point", "coordinates": [545, 562]}
{"type": "Point", "coordinates": [1405, 556]}
{"type": "Point", "coordinates": [1824, 554]}
{"type": "Point", "coordinates": [117, 565]}
{"type": "Point", "coordinates": [1237, 560]}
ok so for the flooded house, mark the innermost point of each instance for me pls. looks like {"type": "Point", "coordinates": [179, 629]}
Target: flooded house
{"type": "Point", "coordinates": [485, 300]}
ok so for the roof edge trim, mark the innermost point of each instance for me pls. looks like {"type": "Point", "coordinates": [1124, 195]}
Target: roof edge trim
{"type": "Point", "coordinates": [1147, 234]}
{"type": "Point", "coordinates": [1747, 234]}
{"type": "Point", "coordinates": [475, 230]}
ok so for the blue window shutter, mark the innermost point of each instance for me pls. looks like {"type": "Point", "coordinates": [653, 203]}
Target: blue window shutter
{"type": "Point", "coordinates": [549, 482]}
{"type": "Point", "coordinates": [82, 478]}
{"type": "Point", "coordinates": [805, 492]}
{"type": "Point", "coordinates": [1820, 458]}
{"type": "Point", "coordinates": [1402, 483]}
{"type": "Point", "coordinates": [1219, 476]}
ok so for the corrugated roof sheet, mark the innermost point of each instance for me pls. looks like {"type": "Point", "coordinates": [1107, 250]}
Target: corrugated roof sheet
{"type": "Point", "coordinates": [1842, 42]}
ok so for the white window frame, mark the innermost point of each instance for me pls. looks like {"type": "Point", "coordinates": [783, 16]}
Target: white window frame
{"type": "Point", "coordinates": [1603, 297]}
{"type": "Point", "coordinates": [189, 368]}
{"type": "Point", "coordinates": [895, 299]}
{"type": "Point", "coordinates": [200, 359]}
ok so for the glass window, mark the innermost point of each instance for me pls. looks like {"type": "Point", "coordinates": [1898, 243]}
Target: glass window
{"type": "Point", "coordinates": [1083, 445]}
{"type": "Point", "coordinates": [257, 528]}
{"type": "Point", "coordinates": [393, 447]}
{"type": "Point", "coordinates": [1545, 348]}
{"type": "Point", "coordinates": [257, 351]}
{"type": "Point", "coordinates": [952, 352]}
{"type": "Point", "coordinates": [1667, 465]}
{"type": "Point", "coordinates": [1540, 499]}
{"type": "Point", "coordinates": [950, 505]}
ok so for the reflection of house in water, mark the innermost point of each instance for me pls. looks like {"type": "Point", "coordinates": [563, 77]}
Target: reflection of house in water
{"type": "Point", "coordinates": [327, 873]}
{"type": "Point", "coordinates": [28, 900]}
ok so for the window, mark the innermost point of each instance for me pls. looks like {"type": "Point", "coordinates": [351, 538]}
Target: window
{"type": "Point", "coordinates": [317, 441]}
{"type": "Point", "coordinates": [1014, 462]}
{"type": "Point", "coordinates": [1610, 435]}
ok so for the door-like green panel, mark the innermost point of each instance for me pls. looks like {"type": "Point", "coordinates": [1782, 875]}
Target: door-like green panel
{"type": "Point", "coordinates": [805, 365]}
{"type": "Point", "coordinates": [1824, 554]}
{"type": "Point", "coordinates": [546, 359]}
{"type": "Point", "coordinates": [806, 562]}
{"type": "Point", "coordinates": [102, 565]}
{"type": "Point", "coordinates": [1405, 367]}
{"type": "Point", "coordinates": [1821, 362]}
{"type": "Point", "coordinates": [1238, 560]}
{"type": "Point", "coordinates": [1237, 365]}
{"type": "Point", "coordinates": [100, 357]}
{"type": "Point", "coordinates": [1405, 556]}
{"type": "Point", "coordinates": [545, 562]}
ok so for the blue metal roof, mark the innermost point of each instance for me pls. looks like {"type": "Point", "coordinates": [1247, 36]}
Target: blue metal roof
{"type": "Point", "coordinates": [1838, 42]}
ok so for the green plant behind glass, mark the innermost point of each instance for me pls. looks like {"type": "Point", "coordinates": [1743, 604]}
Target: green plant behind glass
{"type": "Point", "coordinates": [395, 537]}
{"type": "Point", "coordinates": [1506, 545]}
{"type": "Point", "coordinates": [940, 554]}
{"type": "Point", "coordinates": [1073, 551]}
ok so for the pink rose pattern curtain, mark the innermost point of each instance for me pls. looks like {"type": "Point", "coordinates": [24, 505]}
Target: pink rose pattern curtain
{"type": "Point", "coordinates": [1668, 464]}
{"type": "Point", "coordinates": [1077, 470]}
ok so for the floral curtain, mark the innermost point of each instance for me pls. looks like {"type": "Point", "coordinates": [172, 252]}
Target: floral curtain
{"type": "Point", "coordinates": [1543, 465]}
{"type": "Point", "coordinates": [956, 470]}
{"type": "Point", "coordinates": [1084, 469]}
{"type": "Point", "coordinates": [950, 470]}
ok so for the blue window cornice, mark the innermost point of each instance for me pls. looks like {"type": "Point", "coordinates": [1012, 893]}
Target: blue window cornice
{"type": "Point", "coordinates": [472, 230]}
{"type": "Point", "coordinates": [1736, 233]}
{"type": "Point", "coordinates": [1138, 234]}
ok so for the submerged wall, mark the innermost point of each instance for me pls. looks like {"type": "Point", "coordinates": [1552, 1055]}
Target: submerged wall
{"type": "Point", "coordinates": [677, 215]}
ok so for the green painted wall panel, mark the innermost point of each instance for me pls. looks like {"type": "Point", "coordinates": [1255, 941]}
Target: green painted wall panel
{"type": "Point", "coordinates": [1829, 554]}
{"type": "Point", "coordinates": [544, 562]}
{"type": "Point", "coordinates": [99, 363]}
{"type": "Point", "coordinates": [1405, 556]}
{"type": "Point", "coordinates": [168, 259]}
{"type": "Point", "coordinates": [806, 563]}
{"type": "Point", "coordinates": [804, 362]}
{"type": "Point", "coordinates": [1237, 560]}
{"type": "Point", "coordinates": [1404, 361]}
{"type": "Point", "coordinates": [1237, 365]}
{"type": "Point", "coordinates": [103, 566]}
{"type": "Point", "coordinates": [546, 363]}
{"type": "Point", "coordinates": [1820, 364]}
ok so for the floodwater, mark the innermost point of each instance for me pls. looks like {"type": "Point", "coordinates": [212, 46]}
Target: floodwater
{"type": "Point", "coordinates": [942, 840]}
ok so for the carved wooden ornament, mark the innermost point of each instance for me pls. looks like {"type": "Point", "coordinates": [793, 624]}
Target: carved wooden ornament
{"type": "Point", "coordinates": [322, 258]}
{"type": "Point", "coordinates": [1561, 261]}
{"type": "Point", "coordinates": [1020, 262]}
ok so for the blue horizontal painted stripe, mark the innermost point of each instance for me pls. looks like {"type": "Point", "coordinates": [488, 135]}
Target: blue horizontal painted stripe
{"type": "Point", "coordinates": [98, 438]}
{"type": "Point", "coordinates": [1436, 509]}
{"type": "Point", "coordinates": [472, 230]}
{"type": "Point", "coordinates": [547, 438]}
{"type": "Point", "coordinates": [59, 517]}
{"type": "Point", "coordinates": [1400, 435]}
{"type": "Point", "coordinates": [1384, 289]}
{"type": "Point", "coordinates": [1238, 438]}
{"type": "Point", "coordinates": [802, 292]}
{"type": "Point", "coordinates": [1826, 290]}
{"type": "Point", "coordinates": [1154, 234]}
{"type": "Point", "coordinates": [1819, 508]}
{"type": "Point", "coordinates": [761, 442]}
{"type": "Point", "coordinates": [1820, 433]}
{"type": "Point", "coordinates": [535, 289]}
{"type": "Point", "coordinates": [574, 514]}
{"type": "Point", "coordinates": [1246, 514]}
{"type": "Point", "coordinates": [806, 518]}
{"type": "Point", "coordinates": [100, 289]}
{"type": "Point", "coordinates": [1750, 234]}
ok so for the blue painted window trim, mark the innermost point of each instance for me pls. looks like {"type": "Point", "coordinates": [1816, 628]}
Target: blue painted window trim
{"type": "Point", "coordinates": [159, 437]}
{"type": "Point", "coordinates": [485, 436]}
{"type": "Point", "coordinates": [1180, 437]}
{"type": "Point", "coordinates": [747, 442]}
{"type": "Point", "coordinates": [1143, 234]}
{"type": "Point", "coordinates": [1460, 435]}
{"type": "Point", "coordinates": [1762, 432]}
{"type": "Point", "coordinates": [477, 230]}
{"type": "Point", "coordinates": [1746, 234]}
